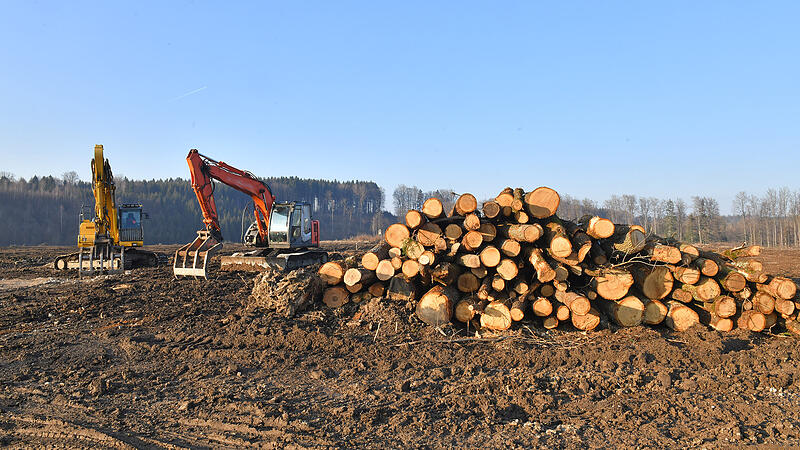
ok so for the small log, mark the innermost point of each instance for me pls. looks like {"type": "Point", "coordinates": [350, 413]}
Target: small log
{"type": "Point", "coordinates": [562, 312]}
{"type": "Point", "coordinates": [771, 319]}
{"type": "Point", "coordinates": [498, 283]}
{"type": "Point", "coordinates": [721, 306]}
{"type": "Point", "coordinates": [413, 249]}
{"type": "Point", "coordinates": [519, 199]}
{"type": "Point", "coordinates": [510, 248]}
{"type": "Point", "coordinates": [490, 256]}
{"type": "Point", "coordinates": [542, 202]}
{"type": "Point", "coordinates": [396, 234]}
{"type": "Point", "coordinates": [680, 317]}
{"type": "Point", "coordinates": [453, 232]}
{"type": "Point", "coordinates": [410, 268]}
{"type": "Point", "coordinates": [394, 252]}
{"type": "Point", "coordinates": [628, 239]}
{"type": "Point", "coordinates": [432, 208]}
{"type": "Point", "coordinates": [541, 307]}
{"type": "Point", "coordinates": [558, 242]}
{"type": "Point", "coordinates": [467, 308]}
{"type": "Point", "coordinates": [436, 306]}
{"type": "Point", "coordinates": [479, 272]}
{"type": "Point", "coordinates": [496, 316]}
{"type": "Point", "coordinates": [358, 297]}
{"type": "Point", "coordinates": [397, 264]}
{"type": "Point", "coordinates": [505, 198]}
{"type": "Point", "coordinates": [518, 307]}
{"type": "Point", "coordinates": [550, 322]}
{"type": "Point", "coordinates": [689, 250]}
{"type": "Point", "coordinates": [544, 271]}
{"type": "Point", "coordinates": [586, 322]}
{"type": "Point", "coordinates": [507, 269]}
{"type": "Point", "coordinates": [401, 289]}
{"type": "Point", "coordinates": [597, 227]}
{"type": "Point", "coordinates": [731, 280]}
{"type": "Point", "coordinates": [577, 304]}
{"type": "Point", "coordinates": [332, 272]}
{"type": "Point", "coordinates": [353, 289]}
{"type": "Point", "coordinates": [427, 258]}
{"type": "Point", "coordinates": [469, 260]}
{"type": "Point", "coordinates": [625, 312]}
{"type": "Point", "coordinates": [335, 296]}
{"type": "Point", "coordinates": [654, 311]}
{"type": "Point", "coordinates": [735, 253]}
{"type": "Point", "coordinates": [372, 257]}
{"type": "Point", "coordinates": [414, 219]}
{"type": "Point", "coordinates": [377, 289]}
{"type": "Point", "coordinates": [705, 290]}
{"type": "Point", "coordinates": [467, 282]}
{"type": "Point", "coordinates": [472, 222]}
{"type": "Point", "coordinates": [385, 269]}
{"type": "Point", "coordinates": [547, 290]}
{"type": "Point", "coordinates": [440, 245]}
{"type": "Point", "coordinates": [523, 232]}
{"type": "Point", "coordinates": [792, 326]}
{"type": "Point", "coordinates": [784, 307]}
{"type": "Point", "coordinates": [521, 217]}
{"type": "Point", "coordinates": [763, 302]}
{"type": "Point", "coordinates": [686, 275]}
{"type": "Point", "coordinates": [718, 323]}
{"type": "Point", "coordinates": [358, 275]}
{"type": "Point", "coordinates": [466, 204]}
{"type": "Point", "coordinates": [491, 209]}
{"type": "Point", "coordinates": [663, 253]}
{"type": "Point", "coordinates": [599, 257]}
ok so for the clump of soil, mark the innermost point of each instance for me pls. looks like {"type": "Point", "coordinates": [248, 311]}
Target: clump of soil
{"type": "Point", "coordinates": [287, 293]}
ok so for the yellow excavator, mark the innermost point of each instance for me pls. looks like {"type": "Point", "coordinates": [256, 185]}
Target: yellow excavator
{"type": "Point", "coordinates": [109, 243]}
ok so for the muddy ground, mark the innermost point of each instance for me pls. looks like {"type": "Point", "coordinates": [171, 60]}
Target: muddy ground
{"type": "Point", "coordinates": [142, 360]}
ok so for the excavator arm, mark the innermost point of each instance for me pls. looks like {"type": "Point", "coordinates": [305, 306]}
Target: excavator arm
{"type": "Point", "coordinates": [205, 170]}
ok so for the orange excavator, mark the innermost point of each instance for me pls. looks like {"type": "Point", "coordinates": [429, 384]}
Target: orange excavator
{"type": "Point", "coordinates": [284, 234]}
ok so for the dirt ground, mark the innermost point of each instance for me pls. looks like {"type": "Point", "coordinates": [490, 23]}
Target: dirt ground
{"type": "Point", "coordinates": [143, 360]}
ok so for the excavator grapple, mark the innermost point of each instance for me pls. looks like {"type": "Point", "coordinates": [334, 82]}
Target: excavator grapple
{"type": "Point", "coordinates": [191, 260]}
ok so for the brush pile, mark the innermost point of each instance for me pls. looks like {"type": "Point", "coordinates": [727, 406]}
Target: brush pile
{"type": "Point", "coordinates": [515, 259]}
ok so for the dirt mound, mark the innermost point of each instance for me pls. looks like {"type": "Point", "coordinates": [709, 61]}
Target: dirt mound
{"type": "Point", "coordinates": [287, 293]}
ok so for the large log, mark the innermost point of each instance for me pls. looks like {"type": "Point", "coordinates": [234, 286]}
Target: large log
{"type": "Point", "coordinates": [612, 284]}
{"type": "Point", "coordinates": [358, 275]}
{"type": "Point", "coordinates": [332, 272]}
{"type": "Point", "coordinates": [428, 234]}
{"type": "Point", "coordinates": [655, 282]}
{"type": "Point", "coordinates": [396, 234]}
{"type": "Point", "coordinates": [466, 204]}
{"type": "Point", "coordinates": [707, 266]}
{"type": "Point", "coordinates": [410, 268]}
{"type": "Point", "coordinates": [373, 256]}
{"type": "Point", "coordinates": [625, 312]}
{"type": "Point", "coordinates": [654, 311]}
{"type": "Point", "coordinates": [413, 249]}
{"type": "Point", "coordinates": [507, 268]}
{"type": "Point", "coordinates": [491, 209]}
{"type": "Point", "coordinates": [731, 280]}
{"type": "Point", "coordinates": [436, 306]}
{"type": "Point", "coordinates": [510, 247]}
{"type": "Point", "coordinates": [496, 316]}
{"type": "Point", "coordinates": [401, 289]}
{"type": "Point", "coordinates": [783, 287]}
{"type": "Point", "coordinates": [335, 296]}
{"type": "Point", "coordinates": [542, 202]}
{"type": "Point", "coordinates": [586, 322]}
{"type": "Point", "coordinates": [680, 317]}
{"type": "Point", "coordinates": [488, 231]}
{"type": "Point", "coordinates": [453, 232]}
{"type": "Point", "coordinates": [385, 269]}
{"type": "Point", "coordinates": [763, 302]}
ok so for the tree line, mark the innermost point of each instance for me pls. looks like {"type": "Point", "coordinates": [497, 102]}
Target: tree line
{"type": "Point", "coordinates": [46, 210]}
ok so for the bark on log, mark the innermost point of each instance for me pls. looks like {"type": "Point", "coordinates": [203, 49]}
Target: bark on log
{"type": "Point", "coordinates": [542, 202]}
{"type": "Point", "coordinates": [335, 296]}
{"type": "Point", "coordinates": [377, 289]}
{"type": "Point", "coordinates": [680, 317]}
{"type": "Point", "coordinates": [396, 234]}
{"type": "Point", "coordinates": [735, 253]}
{"type": "Point", "coordinates": [436, 306]}
{"type": "Point", "coordinates": [577, 303]}
{"type": "Point", "coordinates": [558, 242]}
{"type": "Point", "coordinates": [544, 271]}
{"type": "Point", "coordinates": [401, 289]}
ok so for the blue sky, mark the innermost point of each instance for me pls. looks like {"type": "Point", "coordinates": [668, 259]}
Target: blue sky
{"type": "Point", "coordinates": [664, 99]}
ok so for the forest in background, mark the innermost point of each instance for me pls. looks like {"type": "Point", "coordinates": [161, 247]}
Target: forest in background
{"type": "Point", "coordinates": [46, 210]}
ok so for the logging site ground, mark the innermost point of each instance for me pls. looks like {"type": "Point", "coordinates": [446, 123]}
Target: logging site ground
{"type": "Point", "coordinates": [143, 360]}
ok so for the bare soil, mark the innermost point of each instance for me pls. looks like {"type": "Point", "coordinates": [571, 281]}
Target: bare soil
{"type": "Point", "coordinates": [143, 360]}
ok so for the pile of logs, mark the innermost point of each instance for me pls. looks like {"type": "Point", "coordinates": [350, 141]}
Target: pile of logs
{"type": "Point", "coordinates": [514, 258]}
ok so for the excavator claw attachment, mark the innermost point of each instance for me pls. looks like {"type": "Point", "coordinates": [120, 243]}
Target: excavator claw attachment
{"type": "Point", "coordinates": [191, 260]}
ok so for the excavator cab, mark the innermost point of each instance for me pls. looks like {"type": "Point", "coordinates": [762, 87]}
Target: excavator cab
{"type": "Point", "coordinates": [291, 226]}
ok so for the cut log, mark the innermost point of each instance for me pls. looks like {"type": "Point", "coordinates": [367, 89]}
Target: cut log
{"type": "Point", "coordinates": [394, 252]}
{"type": "Point", "coordinates": [763, 302]}
{"type": "Point", "coordinates": [467, 282]}
{"type": "Point", "coordinates": [491, 209]}
{"type": "Point", "coordinates": [547, 290]}
{"type": "Point", "coordinates": [663, 253]}
{"type": "Point", "coordinates": [396, 234]}
{"type": "Point", "coordinates": [373, 256]}
{"type": "Point", "coordinates": [597, 227]}
{"type": "Point", "coordinates": [472, 222]}
{"type": "Point", "coordinates": [498, 283]}
{"type": "Point", "coordinates": [541, 307]}
{"type": "Point", "coordinates": [469, 260]}
{"type": "Point", "coordinates": [628, 239]}
{"type": "Point", "coordinates": [507, 269]}
{"type": "Point", "coordinates": [784, 307]}
{"type": "Point", "coordinates": [436, 306]}
{"type": "Point", "coordinates": [453, 232]}
{"type": "Point", "coordinates": [488, 231]}
{"type": "Point", "coordinates": [510, 247]}
{"type": "Point", "coordinates": [472, 240]}
{"type": "Point", "coordinates": [427, 258]}
{"type": "Point", "coordinates": [518, 307]}
{"type": "Point", "coordinates": [542, 202]}
{"type": "Point", "coordinates": [413, 249]}
{"type": "Point", "coordinates": [483, 290]}
{"type": "Point", "coordinates": [519, 200]}
{"type": "Point", "coordinates": [377, 289]}
{"type": "Point", "coordinates": [432, 208]}
{"type": "Point", "coordinates": [680, 317]}
{"type": "Point", "coordinates": [490, 256]}
{"type": "Point", "coordinates": [544, 271]}
{"type": "Point", "coordinates": [783, 287]}
{"type": "Point", "coordinates": [625, 312]}
{"type": "Point", "coordinates": [335, 296]}
{"type": "Point", "coordinates": [465, 204]}
{"type": "Point", "coordinates": [496, 316]}
{"type": "Point", "coordinates": [732, 280]}
{"type": "Point", "coordinates": [735, 253]}
{"type": "Point", "coordinates": [358, 275]}
{"type": "Point", "coordinates": [397, 264]}
{"type": "Point", "coordinates": [598, 255]}
{"type": "Point", "coordinates": [523, 233]}
{"type": "Point", "coordinates": [362, 296]}
{"type": "Point", "coordinates": [385, 269]}
{"type": "Point", "coordinates": [505, 198]}
{"type": "Point", "coordinates": [414, 219]}
{"type": "Point", "coordinates": [467, 308]}
{"type": "Point", "coordinates": [654, 311]}
{"type": "Point", "coordinates": [586, 322]}
{"type": "Point", "coordinates": [521, 217]}
{"type": "Point", "coordinates": [721, 306]}
{"type": "Point", "coordinates": [689, 249]}
{"type": "Point", "coordinates": [655, 282]}
{"type": "Point", "coordinates": [558, 242]}
{"type": "Point", "coordinates": [401, 289]}
{"type": "Point", "coordinates": [550, 322]}
{"type": "Point", "coordinates": [479, 272]}
{"type": "Point", "coordinates": [705, 290]}
{"type": "Point", "coordinates": [428, 234]}
{"type": "Point", "coordinates": [718, 323]}
{"type": "Point", "coordinates": [681, 295]}
{"type": "Point", "coordinates": [410, 268]}
{"type": "Point", "coordinates": [332, 272]}
{"type": "Point", "coordinates": [577, 303]}
{"type": "Point", "coordinates": [562, 312]}
{"type": "Point", "coordinates": [686, 275]}
{"type": "Point", "coordinates": [353, 289]}
{"type": "Point", "coordinates": [612, 284]}
{"type": "Point", "coordinates": [752, 320]}
{"type": "Point", "coordinates": [707, 266]}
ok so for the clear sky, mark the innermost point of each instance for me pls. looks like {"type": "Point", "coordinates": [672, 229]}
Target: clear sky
{"type": "Point", "coordinates": [592, 98]}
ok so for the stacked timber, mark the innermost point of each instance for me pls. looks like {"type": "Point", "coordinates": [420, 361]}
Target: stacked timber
{"type": "Point", "coordinates": [514, 259]}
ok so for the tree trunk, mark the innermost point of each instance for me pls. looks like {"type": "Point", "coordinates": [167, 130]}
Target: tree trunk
{"type": "Point", "coordinates": [558, 242]}
{"type": "Point", "coordinates": [385, 270]}
{"type": "Point", "coordinates": [544, 271]}
{"type": "Point", "coordinates": [428, 234]}
{"type": "Point", "coordinates": [490, 256]}
{"type": "Point", "coordinates": [612, 284]}
{"type": "Point", "coordinates": [401, 289]}
{"type": "Point", "coordinates": [332, 272]}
